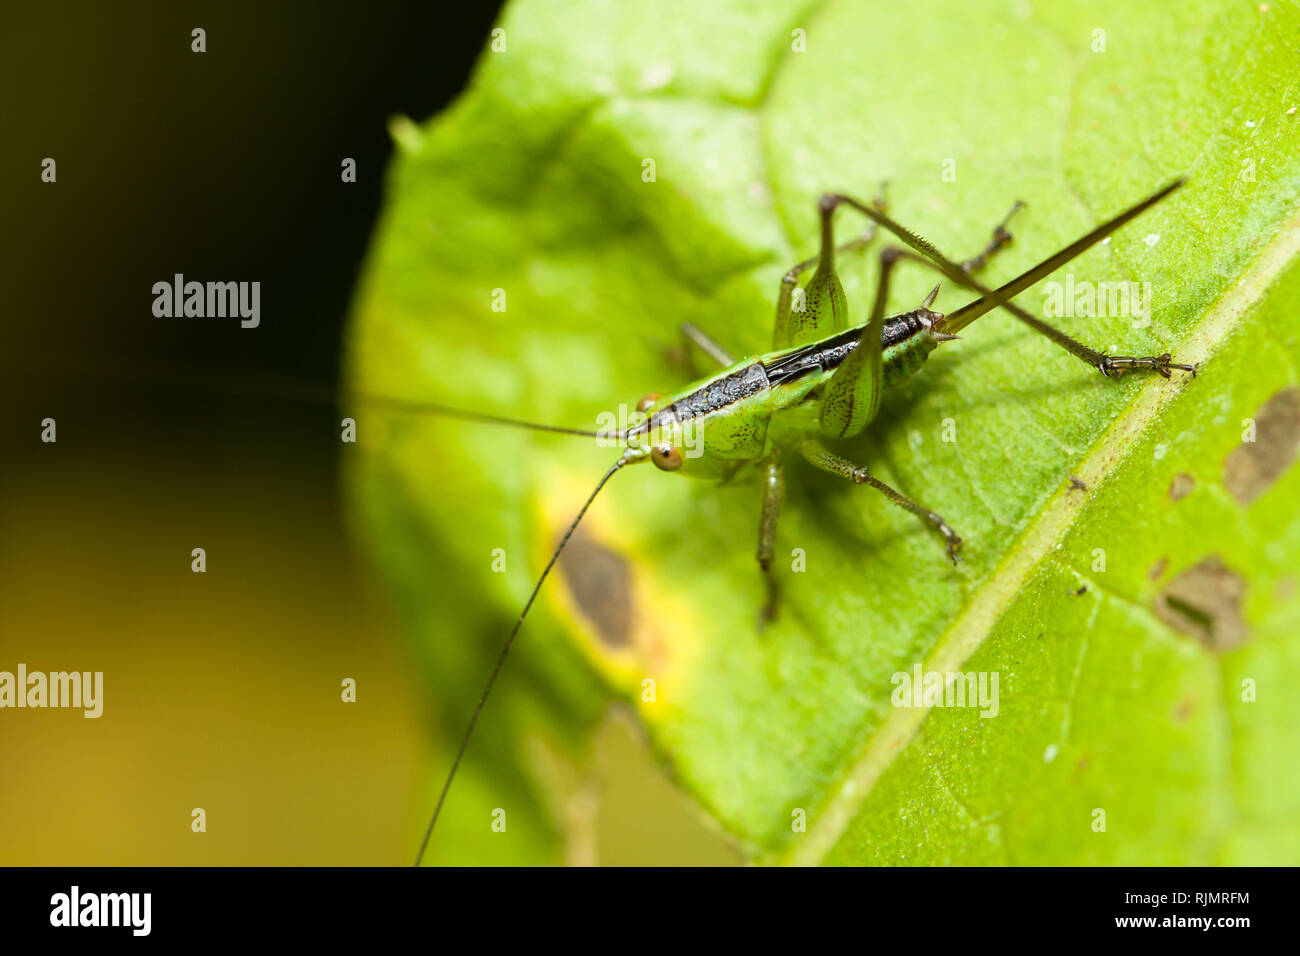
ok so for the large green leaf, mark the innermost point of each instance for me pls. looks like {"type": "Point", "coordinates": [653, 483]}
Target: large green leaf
{"type": "Point", "coordinates": [1126, 697]}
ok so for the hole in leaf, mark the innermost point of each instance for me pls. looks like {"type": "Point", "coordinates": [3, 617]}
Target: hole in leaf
{"type": "Point", "coordinates": [600, 584]}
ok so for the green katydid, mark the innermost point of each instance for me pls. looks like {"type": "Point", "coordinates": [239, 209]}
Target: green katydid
{"type": "Point", "coordinates": [823, 379]}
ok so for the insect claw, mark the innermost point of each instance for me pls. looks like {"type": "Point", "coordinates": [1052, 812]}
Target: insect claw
{"type": "Point", "coordinates": [1107, 366]}
{"type": "Point", "coordinates": [951, 538]}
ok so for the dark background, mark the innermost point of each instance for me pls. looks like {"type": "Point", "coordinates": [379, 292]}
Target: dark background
{"type": "Point", "coordinates": [223, 165]}
{"type": "Point", "coordinates": [221, 689]}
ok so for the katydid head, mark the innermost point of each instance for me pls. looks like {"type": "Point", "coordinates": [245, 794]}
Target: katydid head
{"type": "Point", "coordinates": [657, 448]}
{"type": "Point", "coordinates": [660, 435]}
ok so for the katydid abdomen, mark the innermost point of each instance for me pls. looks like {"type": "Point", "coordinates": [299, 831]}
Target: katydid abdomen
{"type": "Point", "coordinates": [724, 420]}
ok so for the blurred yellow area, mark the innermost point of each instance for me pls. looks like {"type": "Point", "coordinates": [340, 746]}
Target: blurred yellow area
{"type": "Point", "coordinates": [222, 690]}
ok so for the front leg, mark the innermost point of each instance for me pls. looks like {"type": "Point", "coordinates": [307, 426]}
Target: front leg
{"type": "Point", "coordinates": [773, 498]}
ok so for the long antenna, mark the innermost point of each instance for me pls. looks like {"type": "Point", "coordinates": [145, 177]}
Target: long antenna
{"type": "Point", "coordinates": [420, 408]}
{"type": "Point", "coordinates": [318, 394]}
{"type": "Point", "coordinates": [505, 650]}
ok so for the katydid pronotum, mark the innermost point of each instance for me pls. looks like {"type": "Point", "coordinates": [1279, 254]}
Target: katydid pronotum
{"type": "Point", "coordinates": [823, 379]}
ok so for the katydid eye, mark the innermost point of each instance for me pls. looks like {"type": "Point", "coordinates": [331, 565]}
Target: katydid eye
{"type": "Point", "coordinates": [666, 457]}
{"type": "Point", "coordinates": [646, 401]}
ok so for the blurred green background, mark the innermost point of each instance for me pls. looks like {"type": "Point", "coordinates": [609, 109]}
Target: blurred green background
{"type": "Point", "coordinates": [222, 690]}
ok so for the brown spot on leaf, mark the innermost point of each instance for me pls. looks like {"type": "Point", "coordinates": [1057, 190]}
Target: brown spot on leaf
{"type": "Point", "coordinates": [1251, 468]}
{"type": "Point", "coordinates": [600, 583]}
{"type": "Point", "coordinates": [1158, 568]}
{"type": "Point", "coordinates": [1181, 486]}
{"type": "Point", "coordinates": [1205, 602]}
